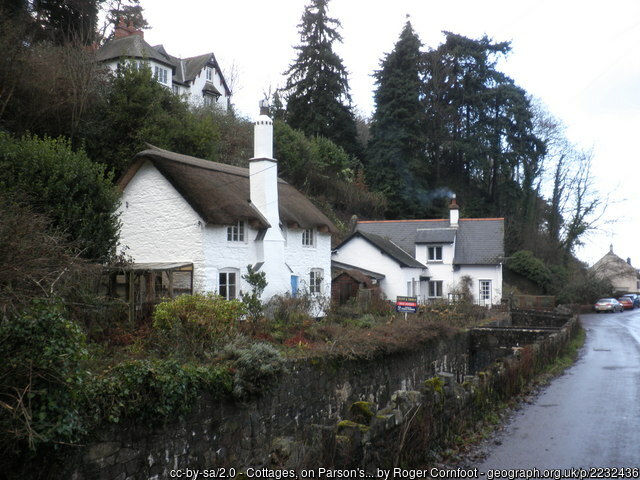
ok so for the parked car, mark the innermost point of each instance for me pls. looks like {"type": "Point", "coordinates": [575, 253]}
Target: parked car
{"type": "Point", "coordinates": [635, 298]}
{"type": "Point", "coordinates": [626, 302]}
{"type": "Point", "coordinates": [608, 305]}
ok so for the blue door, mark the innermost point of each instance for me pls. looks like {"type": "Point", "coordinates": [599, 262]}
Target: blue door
{"type": "Point", "coordinates": [294, 286]}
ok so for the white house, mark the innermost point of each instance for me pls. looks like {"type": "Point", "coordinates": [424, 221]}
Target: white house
{"type": "Point", "coordinates": [184, 215]}
{"type": "Point", "coordinates": [199, 78]}
{"type": "Point", "coordinates": [623, 276]}
{"type": "Point", "coordinates": [429, 259]}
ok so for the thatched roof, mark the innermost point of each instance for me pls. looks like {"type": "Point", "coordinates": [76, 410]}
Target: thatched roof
{"type": "Point", "coordinates": [219, 193]}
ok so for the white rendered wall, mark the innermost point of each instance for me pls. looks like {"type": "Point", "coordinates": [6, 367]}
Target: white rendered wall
{"type": "Point", "coordinates": [360, 253]}
{"type": "Point", "coordinates": [198, 84]}
{"type": "Point", "coordinates": [302, 259]}
{"type": "Point", "coordinates": [113, 66]}
{"type": "Point", "coordinates": [158, 225]}
{"type": "Point", "coordinates": [482, 272]}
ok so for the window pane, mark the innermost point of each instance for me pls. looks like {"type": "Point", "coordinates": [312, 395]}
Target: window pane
{"type": "Point", "coordinates": [223, 285]}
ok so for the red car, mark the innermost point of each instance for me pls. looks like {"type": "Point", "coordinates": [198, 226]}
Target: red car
{"type": "Point", "coordinates": [626, 302]}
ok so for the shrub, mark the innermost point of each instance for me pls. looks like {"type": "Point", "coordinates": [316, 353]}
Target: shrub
{"type": "Point", "coordinates": [75, 194]}
{"type": "Point", "coordinates": [526, 264]}
{"type": "Point", "coordinates": [197, 321]}
{"type": "Point", "coordinates": [152, 390]}
{"type": "Point", "coordinates": [252, 301]}
{"type": "Point", "coordinates": [256, 367]}
{"type": "Point", "coordinates": [40, 378]}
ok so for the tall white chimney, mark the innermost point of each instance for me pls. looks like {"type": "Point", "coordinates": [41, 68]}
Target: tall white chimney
{"type": "Point", "coordinates": [263, 184]}
{"type": "Point", "coordinates": [263, 169]}
{"type": "Point", "coordinates": [454, 212]}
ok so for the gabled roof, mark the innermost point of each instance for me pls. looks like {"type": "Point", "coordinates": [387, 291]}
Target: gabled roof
{"type": "Point", "coordinates": [194, 65]}
{"type": "Point", "coordinates": [610, 261]}
{"type": "Point", "coordinates": [219, 193]}
{"type": "Point", "coordinates": [477, 241]}
{"type": "Point", "coordinates": [346, 267]}
{"type": "Point", "coordinates": [184, 70]}
{"type": "Point", "coordinates": [132, 46]}
{"type": "Point", "coordinates": [387, 247]}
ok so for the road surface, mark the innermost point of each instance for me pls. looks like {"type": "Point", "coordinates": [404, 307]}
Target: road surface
{"type": "Point", "coordinates": [589, 416]}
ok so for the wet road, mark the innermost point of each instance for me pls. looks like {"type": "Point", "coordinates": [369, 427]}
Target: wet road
{"type": "Point", "coordinates": [588, 417]}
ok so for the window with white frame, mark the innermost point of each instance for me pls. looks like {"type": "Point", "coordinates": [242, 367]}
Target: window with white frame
{"type": "Point", "coordinates": [485, 291]}
{"type": "Point", "coordinates": [209, 100]}
{"type": "Point", "coordinates": [434, 254]}
{"type": "Point", "coordinates": [235, 233]}
{"type": "Point", "coordinates": [209, 74]}
{"type": "Point", "coordinates": [435, 288]}
{"type": "Point", "coordinates": [307, 237]}
{"type": "Point", "coordinates": [161, 75]}
{"type": "Point", "coordinates": [228, 283]}
{"type": "Point", "coordinates": [316, 277]}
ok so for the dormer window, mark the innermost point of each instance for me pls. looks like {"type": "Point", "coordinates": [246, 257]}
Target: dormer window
{"type": "Point", "coordinates": [434, 254]}
{"type": "Point", "coordinates": [307, 237]}
{"type": "Point", "coordinates": [208, 72]}
{"type": "Point", "coordinates": [235, 233]}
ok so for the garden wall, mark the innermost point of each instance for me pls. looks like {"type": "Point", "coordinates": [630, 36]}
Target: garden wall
{"type": "Point", "coordinates": [322, 413]}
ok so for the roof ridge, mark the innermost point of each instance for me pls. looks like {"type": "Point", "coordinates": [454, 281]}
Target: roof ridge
{"type": "Point", "coordinates": [430, 220]}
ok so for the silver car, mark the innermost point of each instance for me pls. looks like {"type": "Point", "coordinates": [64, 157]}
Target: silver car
{"type": "Point", "coordinates": [608, 305]}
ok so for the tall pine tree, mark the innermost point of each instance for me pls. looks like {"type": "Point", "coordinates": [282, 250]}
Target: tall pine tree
{"type": "Point", "coordinates": [395, 154]}
{"type": "Point", "coordinates": [317, 88]}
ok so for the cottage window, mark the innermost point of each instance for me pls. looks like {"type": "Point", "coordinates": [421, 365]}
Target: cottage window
{"type": "Point", "coordinates": [435, 288]}
{"type": "Point", "coordinates": [210, 100]}
{"type": "Point", "coordinates": [485, 291]}
{"type": "Point", "coordinates": [307, 237]}
{"type": "Point", "coordinates": [435, 254]}
{"type": "Point", "coordinates": [228, 284]}
{"type": "Point", "coordinates": [209, 74]}
{"type": "Point", "coordinates": [161, 75]}
{"type": "Point", "coordinates": [235, 233]}
{"type": "Point", "coordinates": [315, 281]}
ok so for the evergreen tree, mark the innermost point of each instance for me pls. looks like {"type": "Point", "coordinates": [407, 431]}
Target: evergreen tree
{"type": "Point", "coordinates": [480, 130]}
{"type": "Point", "coordinates": [317, 89]}
{"type": "Point", "coordinates": [395, 153]}
{"type": "Point", "coordinates": [64, 21]}
{"type": "Point", "coordinates": [76, 194]}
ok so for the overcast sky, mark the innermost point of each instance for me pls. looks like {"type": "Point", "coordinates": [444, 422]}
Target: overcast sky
{"type": "Point", "coordinates": [581, 58]}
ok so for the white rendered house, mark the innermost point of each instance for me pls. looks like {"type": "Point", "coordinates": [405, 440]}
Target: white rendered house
{"type": "Point", "coordinates": [429, 259]}
{"type": "Point", "coordinates": [181, 213]}
{"type": "Point", "coordinates": [199, 78]}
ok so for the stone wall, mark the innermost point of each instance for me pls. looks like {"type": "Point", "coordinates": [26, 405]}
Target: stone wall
{"type": "Point", "coordinates": [308, 420]}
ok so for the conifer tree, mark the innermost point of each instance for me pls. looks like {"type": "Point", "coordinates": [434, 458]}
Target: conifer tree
{"type": "Point", "coordinates": [395, 154]}
{"type": "Point", "coordinates": [317, 88]}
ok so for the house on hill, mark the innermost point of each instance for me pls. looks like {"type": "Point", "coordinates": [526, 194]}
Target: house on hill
{"type": "Point", "coordinates": [199, 78]}
{"type": "Point", "coordinates": [623, 276]}
{"type": "Point", "coordinates": [429, 259]}
{"type": "Point", "coordinates": [205, 222]}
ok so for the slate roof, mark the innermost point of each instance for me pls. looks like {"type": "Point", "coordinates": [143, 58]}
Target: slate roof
{"type": "Point", "coordinates": [219, 193]}
{"type": "Point", "coordinates": [388, 247]}
{"type": "Point", "coordinates": [477, 241]}
{"type": "Point", "coordinates": [132, 46]}
{"type": "Point", "coordinates": [435, 235]}
{"type": "Point", "coordinates": [184, 70]}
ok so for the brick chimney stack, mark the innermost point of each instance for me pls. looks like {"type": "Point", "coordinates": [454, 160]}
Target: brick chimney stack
{"type": "Point", "coordinates": [126, 30]}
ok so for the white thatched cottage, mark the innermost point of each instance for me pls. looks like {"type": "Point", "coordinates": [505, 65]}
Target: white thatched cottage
{"type": "Point", "coordinates": [193, 224]}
